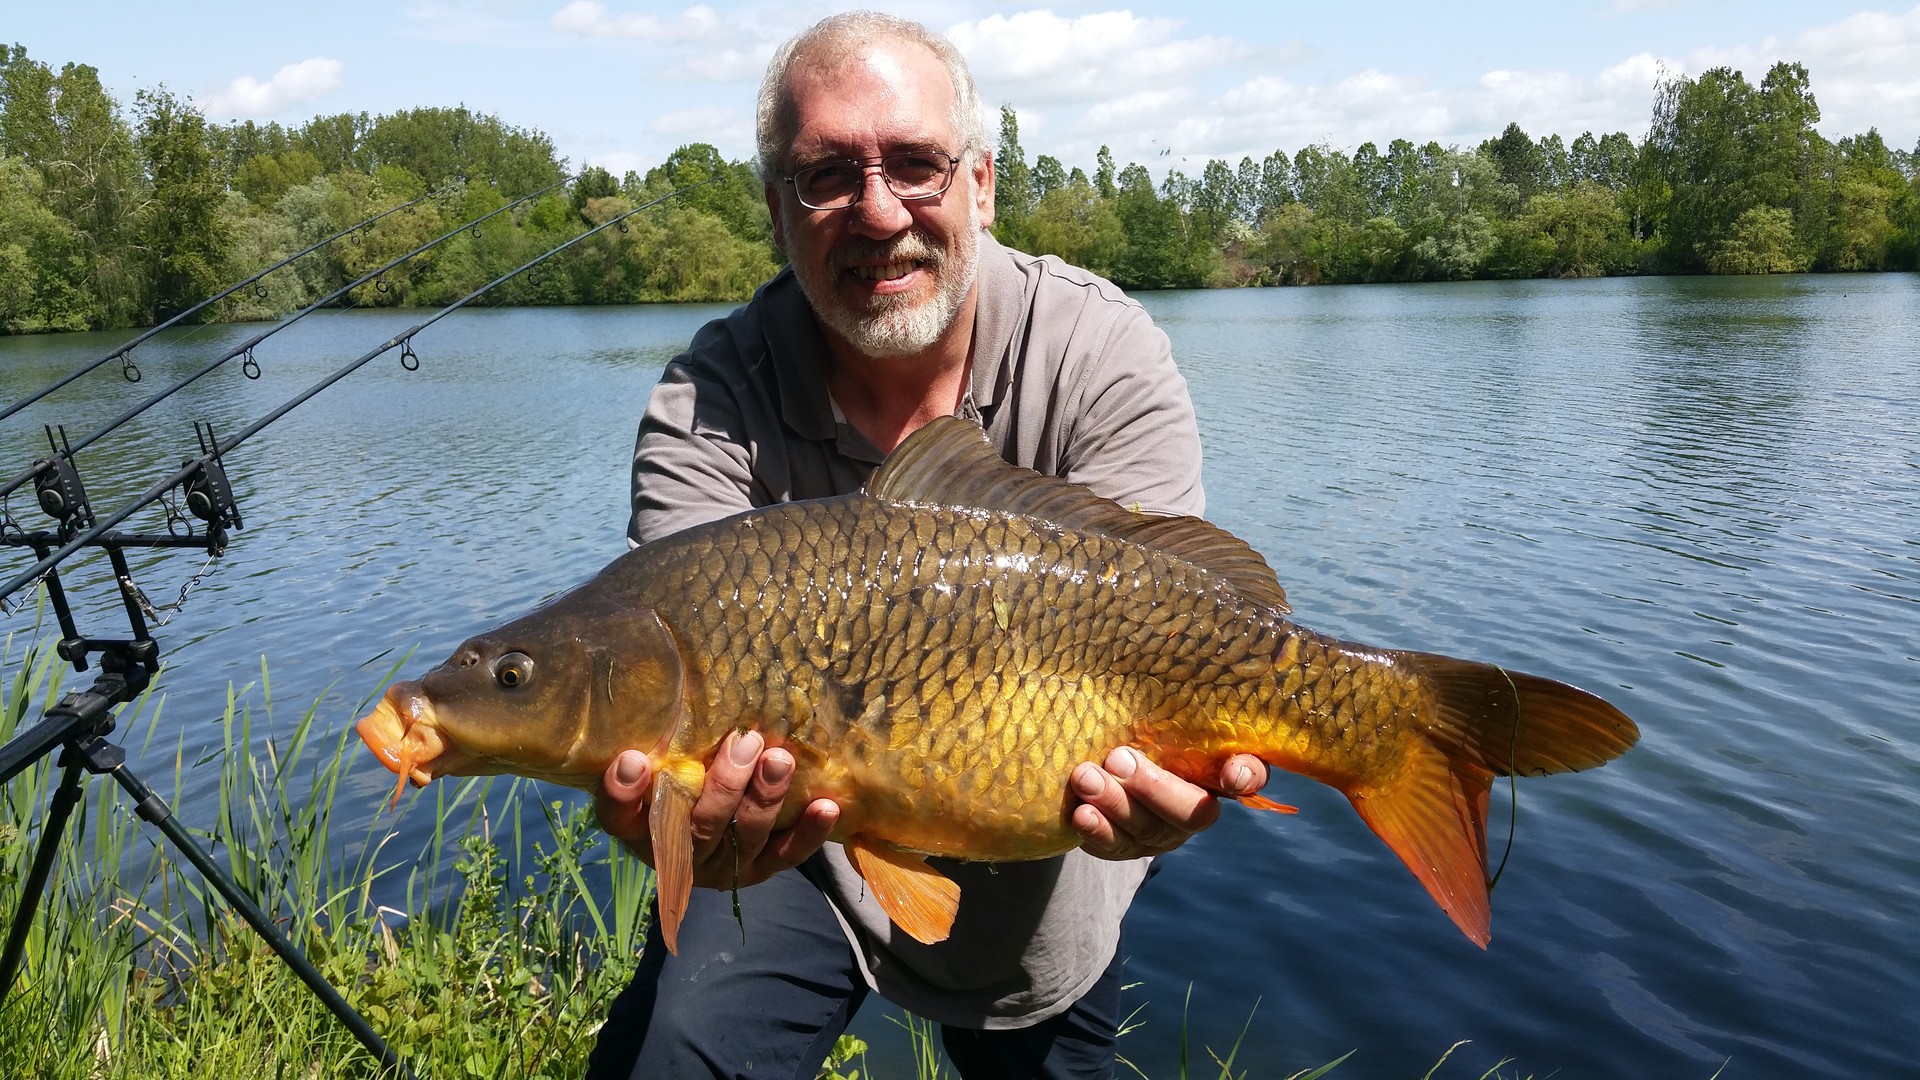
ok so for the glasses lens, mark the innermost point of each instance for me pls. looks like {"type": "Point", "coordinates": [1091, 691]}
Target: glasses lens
{"type": "Point", "coordinates": [830, 185]}
{"type": "Point", "coordinates": [917, 176]}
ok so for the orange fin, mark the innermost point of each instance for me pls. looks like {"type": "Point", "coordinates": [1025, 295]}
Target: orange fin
{"type": "Point", "coordinates": [919, 899]}
{"type": "Point", "coordinates": [1433, 814]}
{"type": "Point", "coordinates": [405, 768]}
{"type": "Point", "coordinates": [1511, 722]}
{"type": "Point", "coordinates": [1261, 802]}
{"type": "Point", "coordinates": [671, 825]}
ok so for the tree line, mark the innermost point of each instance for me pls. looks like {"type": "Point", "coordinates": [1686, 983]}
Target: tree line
{"type": "Point", "coordinates": [112, 219]}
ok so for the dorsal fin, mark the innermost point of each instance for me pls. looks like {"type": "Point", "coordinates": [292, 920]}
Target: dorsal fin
{"type": "Point", "coordinates": [949, 462]}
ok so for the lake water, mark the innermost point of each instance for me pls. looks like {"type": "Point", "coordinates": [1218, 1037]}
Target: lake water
{"type": "Point", "coordinates": [1697, 497]}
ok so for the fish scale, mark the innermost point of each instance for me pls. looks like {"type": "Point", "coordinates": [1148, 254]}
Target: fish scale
{"type": "Point", "coordinates": [940, 650]}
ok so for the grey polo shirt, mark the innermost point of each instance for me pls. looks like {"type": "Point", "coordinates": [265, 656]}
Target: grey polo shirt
{"type": "Point", "coordinates": [1070, 378]}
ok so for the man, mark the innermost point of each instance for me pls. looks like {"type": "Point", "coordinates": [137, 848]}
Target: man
{"type": "Point", "coordinates": [898, 308]}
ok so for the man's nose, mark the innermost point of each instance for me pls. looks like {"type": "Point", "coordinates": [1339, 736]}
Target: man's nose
{"type": "Point", "coordinates": [879, 213]}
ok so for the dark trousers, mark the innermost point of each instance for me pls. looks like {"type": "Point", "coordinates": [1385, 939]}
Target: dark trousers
{"type": "Point", "coordinates": [773, 1005]}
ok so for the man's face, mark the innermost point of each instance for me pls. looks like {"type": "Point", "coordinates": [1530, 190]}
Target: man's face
{"type": "Point", "coordinates": [887, 276]}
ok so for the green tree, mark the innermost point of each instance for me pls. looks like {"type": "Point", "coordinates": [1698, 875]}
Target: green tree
{"type": "Point", "coordinates": [335, 142]}
{"type": "Point", "coordinates": [1722, 148]}
{"type": "Point", "coordinates": [736, 199]}
{"type": "Point", "coordinates": [1103, 182]}
{"type": "Point", "coordinates": [1578, 233]}
{"type": "Point", "coordinates": [185, 235]}
{"type": "Point", "coordinates": [1275, 183]}
{"type": "Point", "coordinates": [441, 145]}
{"type": "Point", "coordinates": [1329, 187]}
{"type": "Point", "coordinates": [1013, 184]}
{"type": "Point", "coordinates": [1073, 222]}
{"type": "Point", "coordinates": [1215, 203]}
{"type": "Point", "coordinates": [1155, 255]}
{"type": "Point", "coordinates": [1285, 245]}
{"type": "Point", "coordinates": [1048, 176]}
{"type": "Point", "coordinates": [1518, 162]}
{"type": "Point", "coordinates": [43, 274]}
{"type": "Point", "coordinates": [1760, 242]}
{"type": "Point", "coordinates": [68, 130]}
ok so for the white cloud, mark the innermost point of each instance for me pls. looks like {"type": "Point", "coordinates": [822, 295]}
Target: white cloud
{"type": "Point", "coordinates": [1035, 58]}
{"type": "Point", "coordinates": [295, 84]}
{"type": "Point", "coordinates": [590, 18]}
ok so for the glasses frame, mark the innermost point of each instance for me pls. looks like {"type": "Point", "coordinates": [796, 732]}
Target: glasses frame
{"type": "Point", "coordinates": [865, 164]}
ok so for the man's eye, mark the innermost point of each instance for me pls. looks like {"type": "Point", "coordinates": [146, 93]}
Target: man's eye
{"type": "Point", "coordinates": [914, 167]}
{"type": "Point", "coordinates": [832, 174]}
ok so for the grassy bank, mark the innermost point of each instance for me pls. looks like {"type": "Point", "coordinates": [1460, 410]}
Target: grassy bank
{"type": "Point", "coordinates": [522, 927]}
{"type": "Point", "coordinates": [502, 935]}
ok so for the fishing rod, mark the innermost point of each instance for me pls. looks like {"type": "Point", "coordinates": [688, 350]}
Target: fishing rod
{"type": "Point", "coordinates": [56, 470]}
{"type": "Point", "coordinates": [127, 367]}
{"type": "Point", "coordinates": [82, 721]}
{"type": "Point", "coordinates": [198, 473]}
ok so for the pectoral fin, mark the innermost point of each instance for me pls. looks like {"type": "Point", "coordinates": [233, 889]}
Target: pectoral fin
{"type": "Point", "coordinates": [919, 899]}
{"type": "Point", "coordinates": [671, 824]}
{"type": "Point", "coordinates": [1261, 802]}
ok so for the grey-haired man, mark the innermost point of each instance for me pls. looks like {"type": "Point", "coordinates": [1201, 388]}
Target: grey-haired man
{"type": "Point", "coordinates": [897, 308]}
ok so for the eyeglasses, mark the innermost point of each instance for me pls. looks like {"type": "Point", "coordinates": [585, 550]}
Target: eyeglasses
{"type": "Point", "coordinates": [914, 175]}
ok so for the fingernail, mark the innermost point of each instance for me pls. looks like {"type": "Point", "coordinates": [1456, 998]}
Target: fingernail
{"type": "Point", "coordinates": [1123, 762]}
{"type": "Point", "coordinates": [1088, 781]}
{"type": "Point", "coordinates": [1242, 778]}
{"type": "Point", "coordinates": [745, 748]}
{"type": "Point", "coordinates": [628, 766]}
{"type": "Point", "coordinates": [775, 767]}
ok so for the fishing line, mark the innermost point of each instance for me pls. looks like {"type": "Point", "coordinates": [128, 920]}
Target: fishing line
{"type": "Point", "coordinates": [245, 348]}
{"type": "Point", "coordinates": [131, 371]}
{"type": "Point", "coordinates": [1513, 782]}
{"type": "Point", "coordinates": [218, 448]}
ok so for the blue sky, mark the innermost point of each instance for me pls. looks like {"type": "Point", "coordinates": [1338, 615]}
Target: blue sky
{"type": "Point", "coordinates": [620, 83]}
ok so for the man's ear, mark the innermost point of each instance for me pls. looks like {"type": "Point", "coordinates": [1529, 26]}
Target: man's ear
{"type": "Point", "coordinates": [983, 187]}
{"type": "Point", "coordinates": [772, 192]}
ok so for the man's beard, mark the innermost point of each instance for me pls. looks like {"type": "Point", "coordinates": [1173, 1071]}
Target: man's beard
{"type": "Point", "coordinates": [897, 325]}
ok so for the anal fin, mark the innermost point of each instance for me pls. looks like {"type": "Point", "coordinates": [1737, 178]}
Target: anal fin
{"type": "Point", "coordinates": [670, 822]}
{"type": "Point", "coordinates": [919, 899]}
{"type": "Point", "coordinates": [1433, 814]}
{"type": "Point", "coordinates": [1261, 802]}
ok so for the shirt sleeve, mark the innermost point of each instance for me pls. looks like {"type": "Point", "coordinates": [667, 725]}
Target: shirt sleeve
{"type": "Point", "coordinates": [1134, 438]}
{"type": "Point", "coordinates": [690, 461]}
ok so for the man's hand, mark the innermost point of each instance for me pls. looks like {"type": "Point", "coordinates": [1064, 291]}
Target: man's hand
{"type": "Point", "coordinates": [744, 786]}
{"type": "Point", "coordinates": [1133, 807]}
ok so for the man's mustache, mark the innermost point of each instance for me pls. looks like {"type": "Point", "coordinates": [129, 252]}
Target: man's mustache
{"type": "Point", "coordinates": [912, 247]}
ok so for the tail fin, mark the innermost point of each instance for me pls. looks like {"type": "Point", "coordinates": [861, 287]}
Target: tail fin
{"type": "Point", "coordinates": [1488, 722]}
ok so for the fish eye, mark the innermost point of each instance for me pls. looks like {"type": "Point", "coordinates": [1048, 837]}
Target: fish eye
{"type": "Point", "coordinates": [513, 670]}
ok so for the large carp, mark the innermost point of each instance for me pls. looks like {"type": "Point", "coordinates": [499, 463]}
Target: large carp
{"type": "Point", "coordinates": [939, 651]}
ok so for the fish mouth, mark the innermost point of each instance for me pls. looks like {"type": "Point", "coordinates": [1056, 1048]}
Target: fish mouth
{"type": "Point", "coordinates": [402, 733]}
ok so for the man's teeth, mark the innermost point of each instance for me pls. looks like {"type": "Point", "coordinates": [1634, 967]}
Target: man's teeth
{"type": "Point", "coordinates": [885, 273]}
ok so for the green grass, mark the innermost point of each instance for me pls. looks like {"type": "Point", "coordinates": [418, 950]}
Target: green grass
{"type": "Point", "coordinates": [133, 970]}
{"type": "Point", "coordinates": [515, 925]}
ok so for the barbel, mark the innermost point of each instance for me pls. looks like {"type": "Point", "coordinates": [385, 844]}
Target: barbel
{"type": "Point", "coordinates": [127, 348]}
{"type": "Point", "coordinates": [224, 446]}
{"type": "Point", "coordinates": [246, 347]}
